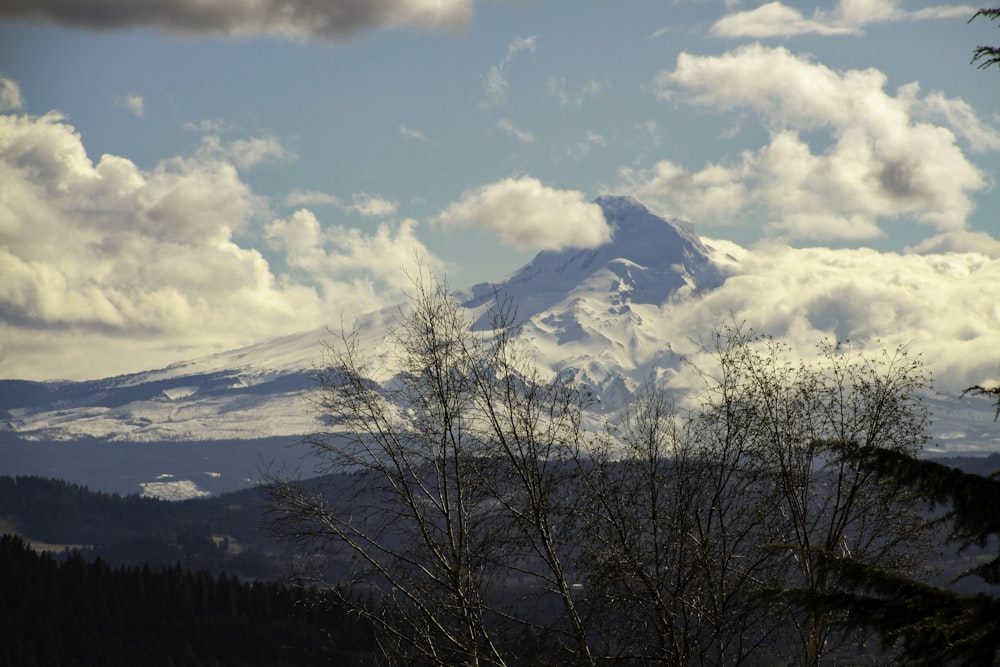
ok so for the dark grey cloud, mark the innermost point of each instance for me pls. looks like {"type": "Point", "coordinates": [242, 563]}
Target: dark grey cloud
{"type": "Point", "coordinates": [326, 20]}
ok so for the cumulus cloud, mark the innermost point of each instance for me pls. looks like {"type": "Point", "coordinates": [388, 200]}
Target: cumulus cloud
{"type": "Point", "coordinates": [882, 163]}
{"type": "Point", "coordinates": [959, 242]}
{"type": "Point", "coordinates": [495, 83]}
{"type": "Point", "coordinates": [10, 95]}
{"type": "Point", "coordinates": [771, 20]}
{"type": "Point", "coordinates": [108, 263]}
{"type": "Point", "coordinates": [939, 305]}
{"type": "Point", "coordinates": [325, 254]}
{"type": "Point", "coordinates": [372, 206]}
{"type": "Point", "coordinates": [296, 19]}
{"type": "Point", "coordinates": [524, 213]}
{"type": "Point", "coordinates": [961, 117]}
{"type": "Point", "coordinates": [715, 194]}
{"type": "Point", "coordinates": [848, 17]}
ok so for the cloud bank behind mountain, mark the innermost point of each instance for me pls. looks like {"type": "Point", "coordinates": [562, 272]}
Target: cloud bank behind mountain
{"type": "Point", "coordinates": [109, 268]}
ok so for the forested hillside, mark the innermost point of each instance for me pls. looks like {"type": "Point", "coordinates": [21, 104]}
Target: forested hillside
{"type": "Point", "coordinates": [83, 613]}
{"type": "Point", "coordinates": [224, 533]}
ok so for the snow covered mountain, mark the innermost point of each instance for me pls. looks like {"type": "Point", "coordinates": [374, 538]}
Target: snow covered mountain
{"type": "Point", "coordinates": [591, 312]}
{"type": "Point", "coordinates": [597, 314]}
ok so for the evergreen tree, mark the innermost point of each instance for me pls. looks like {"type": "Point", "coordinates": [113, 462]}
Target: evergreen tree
{"type": "Point", "coordinates": [926, 624]}
{"type": "Point", "coordinates": [986, 56]}
{"type": "Point", "coordinates": [84, 613]}
{"type": "Point", "coordinates": [992, 392]}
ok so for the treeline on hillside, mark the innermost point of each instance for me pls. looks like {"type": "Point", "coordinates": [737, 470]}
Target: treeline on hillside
{"type": "Point", "coordinates": [82, 613]}
{"type": "Point", "coordinates": [218, 534]}
{"type": "Point", "coordinates": [977, 465]}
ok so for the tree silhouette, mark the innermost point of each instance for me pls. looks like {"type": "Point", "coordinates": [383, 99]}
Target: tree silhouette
{"type": "Point", "coordinates": [928, 625]}
{"type": "Point", "coordinates": [986, 56]}
{"type": "Point", "coordinates": [993, 392]}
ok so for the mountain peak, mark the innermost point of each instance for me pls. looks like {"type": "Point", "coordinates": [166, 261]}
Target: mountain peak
{"type": "Point", "coordinates": [592, 313]}
{"type": "Point", "coordinates": [647, 238]}
{"type": "Point", "coordinates": [648, 259]}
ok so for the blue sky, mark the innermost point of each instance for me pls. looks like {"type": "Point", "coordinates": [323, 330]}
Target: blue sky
{"type": "Point", "coordinates": [189, 177]}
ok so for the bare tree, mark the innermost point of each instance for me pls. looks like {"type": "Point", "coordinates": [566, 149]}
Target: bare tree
{"type": "Point", "coordinates": [457, 519]}
{"type": "Point", "coordinates": [785, 411]}
{"type": "Point", "coordinates": [534, 425]}
{"type": "Point", "coordinates": [412, 522]}
{"type": "Point", "coordinates": [680, 534]}
{"type": "Point", "coordinates": [469, 508]}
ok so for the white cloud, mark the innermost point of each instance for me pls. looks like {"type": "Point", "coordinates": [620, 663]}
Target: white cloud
{"type": "Point", "coordinates": [350, 271]}
{"type": "Point", "coordinates": [848, 17]}
{"type": "Point", "coordinates": [327, 255]}
{"type": "Point", "coordinates": [716, 194]}
{"type": "Point", "coordinates": [108, 268]}
{"type": "Point", "coordinates": [246, 153]}
{"type": "Point", "coordinates": [372, 206]}
{"type": "Point", "coordinates": [881, 164]}
{"type": "Point", "coordinates": [961, 117]}
{"type": "Point", "coordinates": [941, 306]}
{"type": "Point", "coordinates": [297, 19]}
{"type": "Point", "coordinates": [298, 198]}
{"type": "Point", "coordinates": [519, 134]}
{"type": "Point", "coordinates": [961, 242]}
{"type": "Point", "coordinates": [495, 83]}
{"type": "Point", "coordinates": [772, 20]}
{"type": "Point", "coordinates": [136, 104]}
{"type": "Point", "coordinates": [10, 95]}
{"type": "Point", "coordinates": [524, 213]}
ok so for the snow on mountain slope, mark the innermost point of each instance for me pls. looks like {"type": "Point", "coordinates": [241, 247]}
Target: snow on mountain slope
{"type": "Point", "coordinates": [593, 313]}
{"type": "Point", "coordinates": [597, 314]}
{"type": "Point", "coordinates": [648, 260]}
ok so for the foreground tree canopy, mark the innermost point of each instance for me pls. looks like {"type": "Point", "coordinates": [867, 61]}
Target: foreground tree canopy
{"type": "Point", "coordinates": [925, 624]}
{"type": "Point", "coordinates": [991, 392]}
{"type": "Point", "coordinates": [984, 57]}
{"type": "Point", "coordinates": [473, 516]}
